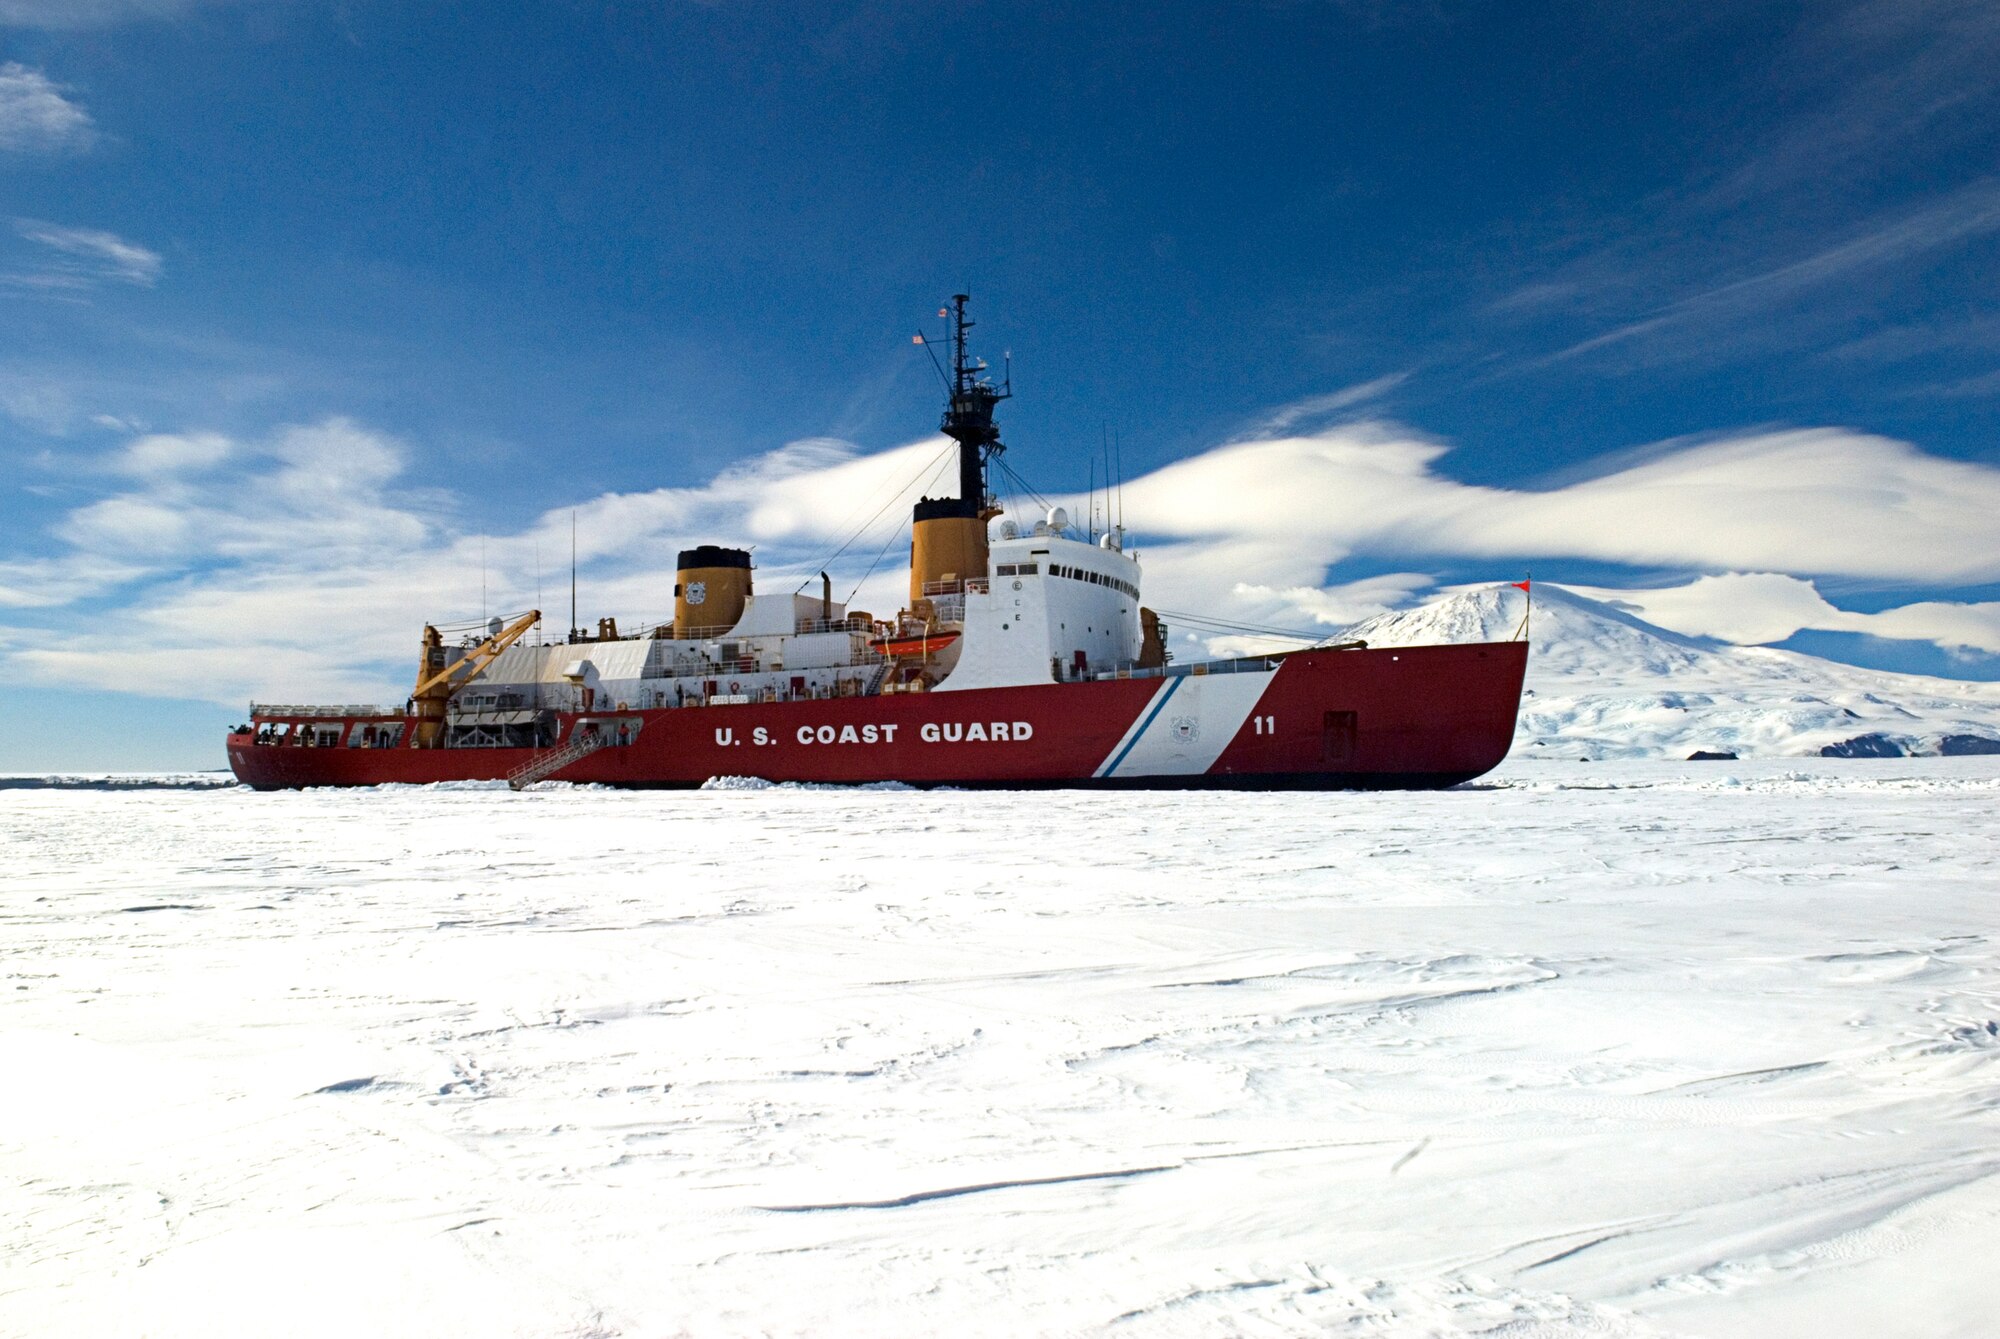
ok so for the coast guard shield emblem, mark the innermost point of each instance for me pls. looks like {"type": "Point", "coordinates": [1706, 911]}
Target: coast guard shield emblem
{"type": "Point", "coordinates": [1186, 729]}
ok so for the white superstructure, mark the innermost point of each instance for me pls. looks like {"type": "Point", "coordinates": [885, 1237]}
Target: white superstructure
{"type": "Point", "coordinates": [1052, 608]}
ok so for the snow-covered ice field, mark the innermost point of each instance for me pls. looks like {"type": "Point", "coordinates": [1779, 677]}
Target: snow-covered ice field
{"type": "Point", "coordinates": [1609, 1048]}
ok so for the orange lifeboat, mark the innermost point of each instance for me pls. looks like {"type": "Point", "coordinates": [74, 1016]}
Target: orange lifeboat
{"type": "Point", "coordinates": [916, 644]}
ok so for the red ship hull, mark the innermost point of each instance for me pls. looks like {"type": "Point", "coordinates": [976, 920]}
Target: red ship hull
{"type": "Point", "coordinates": [1407, 717]}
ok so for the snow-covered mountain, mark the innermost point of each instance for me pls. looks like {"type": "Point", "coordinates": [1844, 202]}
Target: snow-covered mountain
{"type": "Point", "coordinates": [1605, 684]}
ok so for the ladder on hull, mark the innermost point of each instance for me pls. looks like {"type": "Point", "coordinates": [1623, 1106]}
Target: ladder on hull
{"type": "Point", "coordinates": [548, 764]}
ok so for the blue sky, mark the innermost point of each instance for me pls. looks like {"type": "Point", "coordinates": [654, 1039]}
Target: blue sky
{"type": "Point", "coordinates": [311, 313]}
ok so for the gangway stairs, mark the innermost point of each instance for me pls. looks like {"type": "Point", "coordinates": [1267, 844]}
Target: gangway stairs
{"type": "Point", "coordinates": [546, 765]}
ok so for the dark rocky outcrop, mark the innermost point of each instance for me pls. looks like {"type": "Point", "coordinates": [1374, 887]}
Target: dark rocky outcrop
{"type": "Point", "coordinates": [1704, 755]}
{"type": "Point", "coordinates": [1864, 746]}
{"type": "Point", "coordinates": [1966, 746]}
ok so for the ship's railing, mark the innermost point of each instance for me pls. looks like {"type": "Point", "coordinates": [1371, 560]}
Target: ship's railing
{"type": "Point", "coordinates": [321, 709]}
{"type": "Point", "coordinates": [970, 585]}
{"type": "Point", "coordinates": [1249, 665]}
{"type": "Point", "coordinates": [705, 632]}
{"type": "Point", "coordinates": [654, 632]}
{"type": "Point", "coordinates": [762, 691]}
{"type": "Point", "coordinates": [850, 623]}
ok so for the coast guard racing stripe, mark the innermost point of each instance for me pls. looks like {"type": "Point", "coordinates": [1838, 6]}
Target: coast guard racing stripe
{"type": "Point", "coordinates": [1185, 725]}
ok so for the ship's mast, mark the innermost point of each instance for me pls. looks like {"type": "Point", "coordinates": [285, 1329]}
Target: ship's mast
{"type": "Point", "coordinates": [968, 415]}
{"type": "Point", "coordinates": [948, 534]}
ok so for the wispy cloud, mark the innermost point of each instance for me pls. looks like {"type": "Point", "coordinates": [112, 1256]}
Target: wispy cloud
{"type": "Point", "coordinates": [41, 403]}
{"type": "Point", "coordinates": [35, 117]}
{"type": "Point", "coordinates": [1924, 339]}
{"type": "Point", "coordinates": [170, 455]}
{"type": "Point", "coordinates": [1967, 213]}
{"type": "Point", "coordinates": [81, 258]}
{"type": "Point", "coordinates": [40, 583]}
{"type": "Point", "coordinates": [313, 494]}
{"type": "Point", "coordinates": [1986, 383]}
{"type": "Point", "coordinates": [1773, 235]}
{"type": "Point", "coordinates": [1875, 84]}
{"type": "Point", "coordinates": [1754, 608]}
{"type": "Point", "coordinates": [1316, 407]}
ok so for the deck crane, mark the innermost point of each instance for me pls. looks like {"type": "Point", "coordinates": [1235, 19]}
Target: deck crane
{"type": "Point", "coordinates": [438, 680]}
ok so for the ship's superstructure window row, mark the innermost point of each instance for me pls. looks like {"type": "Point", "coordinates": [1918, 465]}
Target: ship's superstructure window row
{"type": "Point", "coordinates": [1094, 578]}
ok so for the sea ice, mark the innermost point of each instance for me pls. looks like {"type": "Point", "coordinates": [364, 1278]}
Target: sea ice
{"type": "Point", "coordinates": [1615, 1048]}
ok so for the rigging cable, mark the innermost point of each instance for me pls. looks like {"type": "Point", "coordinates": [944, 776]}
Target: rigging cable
{"type": "Point", "coordinates": [1022, 484]}
{"type": "Point", "coordinates": [925, 341]}
{"type": "Point", "coordinates": [869, 524]}
{"type": "Point", "coordinates": [1204, 623]}
{"type": "Point", "coordinates": [892, 538]}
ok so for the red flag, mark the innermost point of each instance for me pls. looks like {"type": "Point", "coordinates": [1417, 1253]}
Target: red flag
{"type": "Point", "coordinates": [916, 339]}
{"type": "Point", "coordinates": [1520, 585]}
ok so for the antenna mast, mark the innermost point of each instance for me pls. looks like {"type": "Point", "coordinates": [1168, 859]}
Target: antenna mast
{"type": "Point", "coordinates": [968, 417]}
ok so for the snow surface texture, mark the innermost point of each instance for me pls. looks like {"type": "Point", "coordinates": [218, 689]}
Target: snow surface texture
{"type": "Point", "coordinates": [1617, 1049]}
{"type": "Point", "coordinates": [1603, 683]}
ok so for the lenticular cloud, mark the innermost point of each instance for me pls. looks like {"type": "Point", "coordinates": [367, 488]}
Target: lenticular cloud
{"type": "Point", "coordinates": [1818, 501]}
